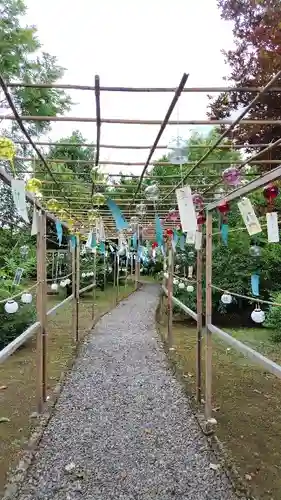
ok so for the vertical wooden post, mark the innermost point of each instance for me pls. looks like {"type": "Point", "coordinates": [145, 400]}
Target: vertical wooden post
{"type": "Point", "coordinates": [170, 294]}
{"type": "Point", "coordinates": [95, 284]}
{"type": "Point", "coordinates": [41, 341]}
{"type": "Point", "coordinates": [77, 246]}
{"type": "Point", "coordinates": [132, 266]}
{"type": "Point", "coordinates": [74, 302]}
{"type": "Point", "coordinates": [208, 335]}
{"type": "Point", "coordinates": [104, 270]}
{"type": "Point", "coordinates": [117, 276]}
{"type": "Point", "coordinates": [199, 323]}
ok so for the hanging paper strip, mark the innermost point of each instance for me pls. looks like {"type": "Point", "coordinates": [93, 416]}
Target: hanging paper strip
{"type": "Point", "coordinates": [93, 241]}
{"type": "Point", "coordinates": [73, 241]}
{"type": "Point", "coordinates": [249, 217]}
{"type": "Point", "coordinates": [190, 237]}
{"type": "Point", "coordinates": [18, 192]}
{"type": "Point", "coordinates": [59, 232]}
{"type": "Point", "coordinates": [134, 240]}
{"type": "Point", "coordinates": [175, 237]}
{"type": "Point", "coordinates": [272, 227]}
{"type": "Point", "coordinates": [182, 242]}
{"type": "Point", "coordinates": [89, 240]}
{"type": "Point", "coordinates": [255, 284]}
{"type": "Point", "coordinates": [186, 209]}
{"type": "Point", "coordinates": [224, 233]}
{"type": "Point", "coordinates": [34, 227]}
{"type": "Point", "coordinates": [198, 240]}
{"type": "Point", "coordinates": [158, 231]}
{"type": "Point", "coordinates": [117, 215]}
{"type": "Point", "coordinates": [102, 247]}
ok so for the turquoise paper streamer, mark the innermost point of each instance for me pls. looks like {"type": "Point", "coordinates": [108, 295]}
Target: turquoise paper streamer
{"type": "Point", "coordinates": [59, 232]}
{"type": "Point", "coordinates": [255, 284]}
{"type": "Point", "coordinates": [175, 237]}
{"type": "Point", "coordinates": [158, 231]}
{"type": "Point", "coordinates": [117, 215]}
{"type": "Point", "coordinates": [182, 242]}
{"type": "Point", "coordinates": [94, 241]}
{"type": "Point", "coordinates": [224, 233]}
{"type": "Point", "coordinates": [73, 241]}
{"type": "Point", "coordinates": [102, 247]}
{"type": "Point", "coordinates": [134, 240]}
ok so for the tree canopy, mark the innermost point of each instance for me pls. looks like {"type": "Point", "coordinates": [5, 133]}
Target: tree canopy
{"type": "Point", "coordinates": [255, 58]}
{"type": "Point", "coordinates": [22, 60]}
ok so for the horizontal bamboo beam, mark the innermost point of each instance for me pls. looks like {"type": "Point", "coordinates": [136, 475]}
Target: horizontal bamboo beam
{"type": "Point", "coordinates": [115, 146]}
{"type": "Point", "coordinates": [64, 86]}
{"type": "Point", "coordinates": [266, 363]}
{"type": "Point", "coordinates": [127, 121]}
{"type": "Point", "coordinates": [182, 306]}
{"type": "Point", "coordinates": [139, 164]}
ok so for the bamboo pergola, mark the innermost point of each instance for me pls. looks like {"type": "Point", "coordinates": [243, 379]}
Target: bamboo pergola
{"type": "Point", "coordinates": [136, 195]}
{"type": "Point", "coordinates": [167, 198]}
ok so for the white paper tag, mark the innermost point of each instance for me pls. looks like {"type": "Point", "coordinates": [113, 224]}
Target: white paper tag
{"type": "Point", "coordinates": [190, 271]}
{"type": "Point", "coordinates": [18, 192]}
{"type": "Point", "coordinates": [272, 227]}
{"type": "Point", "coordinates": [34, 227]}
{"type": "Point", "coordinates": [89, 240]}
{"type": "Point", "coordinates": [249, 217]}
{"type": "Point", "coordinates": [186, 209]}
{"type": "Point", "coordinates": [190, 237]}
{"type": "Point", "coordinates": [198, 240]}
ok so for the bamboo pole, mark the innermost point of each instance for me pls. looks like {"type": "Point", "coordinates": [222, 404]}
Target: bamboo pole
{"type": "Point", "coordinates": [170, 294]}
{"type": "Point", "coordinates": [117, 277]}
{"type": "Point", "coordinates": [104, 270]}
{"type": "Point", "coordinates": [95, 284]}
{"type": "Point", "coordinates": [44, 306]}
{"type": "Point", "coordinates": [129, 121]}
{"type": "Point", "coordinates": [68, 86]}
{"type": "Point", "coordinates": [77, 258]}
{"type": "Point", "coordinates": [74, 303]}
{"type": "Point", "coordinates": [208, 336]}
{"type": "Point", "coordinates": [199, 323]}
{"type": "Point", "coordinates": [41, 315]}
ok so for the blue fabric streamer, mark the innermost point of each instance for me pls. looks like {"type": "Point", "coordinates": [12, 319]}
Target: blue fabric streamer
{"type": "Point", "coordinates": [255, 284]}
{"type": "Point", "coordinates": [73, 241]}
{"type": "Point", "coordinates": [117, 215]}
{"type": "Point", "coordinates": [102, 247]}
{"type": "Point", "coordinates": [94, 241]}
{"type": "Point", "coordinates": [224, 233]}
{"type": "Point", "coordinates": [134, 240]}
{"type": "Point", "coordinates": [175, 237]}
{"type": "Point", "coordinates": [182, 242]}
{"type": "Point", "coordinates": [158, 231]}
{"type": "Point", "coordinates": [59, 232]}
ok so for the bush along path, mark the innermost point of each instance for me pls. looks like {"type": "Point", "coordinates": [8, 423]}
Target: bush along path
{"type": "Point", "coordinates": [123, 428]}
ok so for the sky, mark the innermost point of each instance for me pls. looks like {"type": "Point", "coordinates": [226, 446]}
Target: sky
{"type": "Point", "coordinates": [148, 43]}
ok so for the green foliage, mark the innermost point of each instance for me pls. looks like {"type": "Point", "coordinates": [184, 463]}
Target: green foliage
{"type": "Point", "coordinates": [273, 318]}
{"type": "Point", "coordinates": [12, 325]}
{"type": "Point", "coordinates": [254, 60]}
{"type": "Point", "coordinates": [20, 60]}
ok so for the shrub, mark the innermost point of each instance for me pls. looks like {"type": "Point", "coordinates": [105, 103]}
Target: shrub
{"type": "Point", "coordinates": [12, 325]}
{"type": "Point", "coordinates": [273, 318]}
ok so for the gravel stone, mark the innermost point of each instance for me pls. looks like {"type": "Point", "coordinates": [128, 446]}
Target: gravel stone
{"type": "Point", "coordinates": [124, 422]}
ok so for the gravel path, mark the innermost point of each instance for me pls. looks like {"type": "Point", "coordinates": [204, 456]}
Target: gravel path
{"type": "Point", "coordinates": [123, 428]}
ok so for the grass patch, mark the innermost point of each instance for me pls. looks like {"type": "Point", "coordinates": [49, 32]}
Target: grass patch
{"type": "Point", "coordinates": [246, 403]}
{"type": "Point", "coordinates": [18, 372]}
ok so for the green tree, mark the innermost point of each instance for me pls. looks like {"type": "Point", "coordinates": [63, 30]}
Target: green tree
{"type": "Point", "coordinates": [21, 60]}
{"type": "Point", "coordinates": [255, 58]}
